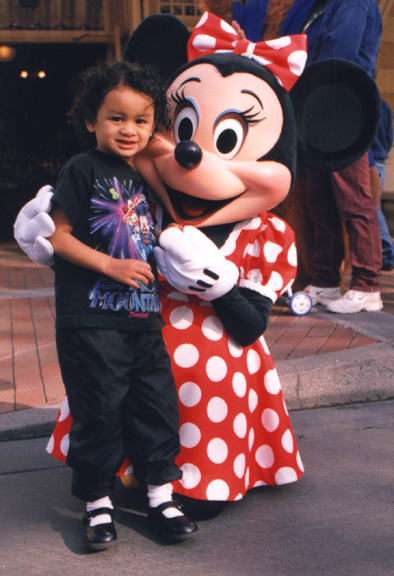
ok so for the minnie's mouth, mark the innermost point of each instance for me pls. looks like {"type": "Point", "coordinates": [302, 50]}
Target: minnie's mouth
{"type": "Point", "coordinates": [191, 209]}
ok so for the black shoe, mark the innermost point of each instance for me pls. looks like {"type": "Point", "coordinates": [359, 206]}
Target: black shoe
{"type": "Point", "coordinates": [171, 529]}
{"type": "Point", "coordinates": [101, 536]}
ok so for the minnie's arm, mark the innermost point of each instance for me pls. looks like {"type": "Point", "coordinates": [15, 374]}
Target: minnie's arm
{"type": "Point", "coordinates": [33, 227]}
{"type": "Point", "coordinates": [244, 314]}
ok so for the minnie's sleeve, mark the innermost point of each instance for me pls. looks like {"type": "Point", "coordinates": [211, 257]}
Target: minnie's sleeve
{"type": "Point", "coordinates": [268, 268]}
{"type": "Point", "coordinates": [269, 264]}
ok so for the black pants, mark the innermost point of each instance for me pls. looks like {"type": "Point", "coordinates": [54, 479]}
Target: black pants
{"type": "Point", "coordinates": [123, 401]}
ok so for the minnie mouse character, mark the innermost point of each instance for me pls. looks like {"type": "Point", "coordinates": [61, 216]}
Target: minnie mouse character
{"type": "Point", "coordinates": [229, 158]}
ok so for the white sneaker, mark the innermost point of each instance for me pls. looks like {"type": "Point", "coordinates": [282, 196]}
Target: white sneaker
{"type": "Point", "coordinates": [323, 295]}
{"type": "Point", "coordinates": [355, 301]}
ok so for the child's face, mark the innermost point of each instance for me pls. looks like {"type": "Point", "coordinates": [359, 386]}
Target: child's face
{"type": "Point", "coordinates": [124, 123]}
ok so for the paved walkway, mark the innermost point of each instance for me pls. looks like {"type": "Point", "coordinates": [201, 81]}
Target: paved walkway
{"type": "Point", "coordinates": [308, 350]}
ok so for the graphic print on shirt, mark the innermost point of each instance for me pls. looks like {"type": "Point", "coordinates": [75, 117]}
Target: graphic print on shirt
{"type": "Point", "coordinates": [122, 227]}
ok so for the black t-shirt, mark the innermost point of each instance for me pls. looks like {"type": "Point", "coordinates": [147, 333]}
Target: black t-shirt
{"type": "Point", "coordinates": [106, 202]}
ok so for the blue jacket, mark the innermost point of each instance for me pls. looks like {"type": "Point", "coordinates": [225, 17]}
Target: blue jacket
{"type": "Point", "coordinates": [349, 29]}
{"type": "Point", "coordinates": [384, 138]}
{"type": "Point", "coordinates": [252, 16]}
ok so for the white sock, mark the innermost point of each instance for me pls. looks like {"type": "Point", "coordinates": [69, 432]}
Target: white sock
{"type": "Point", "coordinates": [159, 495]}
{"type": "Point", "coordinates": [104, 502]}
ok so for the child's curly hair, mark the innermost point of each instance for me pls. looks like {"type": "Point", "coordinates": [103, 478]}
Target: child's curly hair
{"type": "Point", "coordinates": [91, 87]}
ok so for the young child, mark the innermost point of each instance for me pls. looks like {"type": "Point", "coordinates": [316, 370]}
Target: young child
{"type": "Point", "coordinates": [113, 360]}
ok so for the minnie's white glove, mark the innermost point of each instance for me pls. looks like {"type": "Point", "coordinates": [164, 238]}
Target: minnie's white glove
{"type": "Point", "coordinates": [193, 264]}
{"type": "Point", "coordinates": [33, 226]}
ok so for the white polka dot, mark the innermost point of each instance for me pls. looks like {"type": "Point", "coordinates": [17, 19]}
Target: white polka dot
{"type": "Point", "coordinates": [287, 441]}
{"type": "Point", "coordinates": [191, 476]}
{"type": "Point", "coordinates": [238, 497]}
{"type": "Point", "coordinates": [271, 382]}
{"type": "Point", "coordinates": [254, 249]}
{"type": "Point", "coordinates": [226, 27]}
{"type": "Point", "coordinates": [203, 42]}
{"type": "Point", "coordinates": [296, 61]}
{"type": "Point", "coordinates": [231, 242]}
{"type": "Point", "coordinates": [275, 282]}
{"type": "Point", "coordinates": [279, 43]}
{"type": "Point", "coordinates": [253, 361]}
{"type": "Point", "coordinates": [260, 483]}
{"type": "Point", "coordinates": [50, 445]}
{"type": "Point", "coordinates": [299, 462]}
{"type": "Point", "coordinates": [240, 425]}
{"type": "Point", "coordinates": [239, 384]}
{"type": "Point", "coordinates": [217, 409]}
{"type": "Point", "coordinates": [234, 348]}
{"type": "Point", "coordinates": [216, 369]}
{"type": "Point", "coordinates": [181, 317]}
{"type": "Point", "coordinates": [270, 419]}
{"type": "Point", "coordinates": [272, 251]}
{"type": "Point", "coordinates": [252, 224]}
{"type": "Point", "coordinates": [129, 470]}
{"type": "Point", "coordinates": [292, 255]}
{"type": "Point", "coordinates": [190, 435]}
{"type": "Point", "coordinates": [265, 456]}
{"type": "Point", "coordinates": [239, 465]}
{"type": "Point", "coordinates": [217, 450]}
{"type": "Point", "coordinates": [189, 394]}
{"type": "Point", "coordinates": [285, 475]}
{"type": "Point", "coordinates": [212, 328]}
{"type": "Point", "coordinates": [186, 355]}
{"type": "Point", "coordinates": [254, 275]}
{"type": "Point", "coordinates": [279, 80]}
{"type": "Point", "coordinates": [252, 400]}
{"type": "Point", "coordinates": [264, 345]}
{"type": "Point", "coordinates": [251, 439]}
{"type": "Point", "coordinates": [202, 20]}
{"type": "Point", "coordinates": [179, 296]}
{"type": "Point", "coordinates": [278, 224]}
{"type": "Point", "coordinates": [65, 444]}
{"type": "Point", "coordinates": [64, 410]}
{"type": "Point", "coordinates": [247, 478]}
{"type": "Point", "coordinates": [218, 490]}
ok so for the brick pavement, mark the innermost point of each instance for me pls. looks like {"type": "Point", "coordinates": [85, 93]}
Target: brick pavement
{"type": "Point", "coordinates": [29, 373]}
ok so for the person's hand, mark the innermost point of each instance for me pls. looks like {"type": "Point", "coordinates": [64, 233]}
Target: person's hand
{"type": "Point", "coordinates": [131, 272]}
{"type": "Point", "coordinates": [33, 226]}
{"type": "Point", "coordinates": [193, 264]}
{"type": "Point", "coordinates": [238, 30]}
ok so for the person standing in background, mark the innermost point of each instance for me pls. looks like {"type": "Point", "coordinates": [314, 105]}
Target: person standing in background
{"type": "Point", "coordinates": [348, 29]}
{"type": "Point", "coordinates": [380, 151]}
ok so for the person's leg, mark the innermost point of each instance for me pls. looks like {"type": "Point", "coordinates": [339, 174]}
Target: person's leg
{"type": "Point", "coordinates": [95, 387]}
{"type": "Point", "coordinates": [328, 248]}
{"type": "Point", "coordinates": [387, 243]}
{"type": "Point", "coordinates": [358, 210]}
{"type": "Point", "coordinates": [151, 436]}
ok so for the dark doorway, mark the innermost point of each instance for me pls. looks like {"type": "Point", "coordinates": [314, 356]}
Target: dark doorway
{"type": "Point", "coordinates": [35, 139]}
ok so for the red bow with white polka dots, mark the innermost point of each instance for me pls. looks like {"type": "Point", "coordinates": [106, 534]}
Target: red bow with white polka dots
{"type": "Point", "coordinates": [285, 57]}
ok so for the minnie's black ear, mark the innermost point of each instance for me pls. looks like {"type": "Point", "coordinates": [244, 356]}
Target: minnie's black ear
{"type": "Point", "coordinates": [337, 109]}
{"type": "Point", "coordinates": [159, 40]}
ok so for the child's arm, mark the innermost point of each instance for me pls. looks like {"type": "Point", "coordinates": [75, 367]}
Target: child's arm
{"type": "Point", "coordinates": [68, 247]}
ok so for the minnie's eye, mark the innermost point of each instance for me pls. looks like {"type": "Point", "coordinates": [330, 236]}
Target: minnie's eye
{"type": "Point", "coordinates": [185, 124]}
{"type": "Point", "coordinates": [228, 137]}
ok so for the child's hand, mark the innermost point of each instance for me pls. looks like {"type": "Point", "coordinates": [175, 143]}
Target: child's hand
{"type": "Point", "coordinates": [130, 272]}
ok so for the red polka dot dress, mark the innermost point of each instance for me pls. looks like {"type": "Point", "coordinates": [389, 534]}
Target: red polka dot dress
{"type": "Point", "coordinates": [235, 430]}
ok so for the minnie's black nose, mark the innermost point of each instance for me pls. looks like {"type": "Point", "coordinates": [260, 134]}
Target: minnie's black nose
{"type": "Point", "coordinates": [188, 154]}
